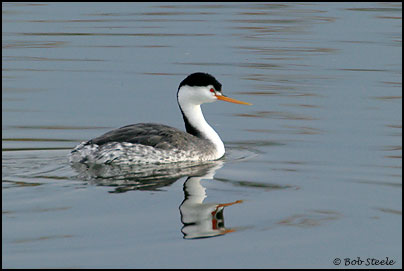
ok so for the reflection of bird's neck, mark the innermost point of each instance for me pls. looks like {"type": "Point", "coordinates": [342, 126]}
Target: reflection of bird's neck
{"type": "Point", "coordinates": [194, 191]}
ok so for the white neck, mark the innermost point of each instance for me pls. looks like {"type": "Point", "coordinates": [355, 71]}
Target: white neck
{"type": "Point", "coordinates": [195, 118]}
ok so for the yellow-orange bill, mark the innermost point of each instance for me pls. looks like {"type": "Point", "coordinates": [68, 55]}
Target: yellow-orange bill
{"type": "Point", "coordinates": [230, 100]}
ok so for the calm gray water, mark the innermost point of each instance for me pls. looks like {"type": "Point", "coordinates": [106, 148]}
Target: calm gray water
{"type": "Point", "coordinates": [313, 171]}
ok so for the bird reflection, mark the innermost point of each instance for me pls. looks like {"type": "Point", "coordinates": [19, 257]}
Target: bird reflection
{"type": "Point", "coordinates": [125, 178]}
{"type": "Point", "coordinates": [199, 219]}
{"type": "Point", "coordinates": [202, 220]}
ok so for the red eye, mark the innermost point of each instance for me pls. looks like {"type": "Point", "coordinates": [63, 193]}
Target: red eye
{"type": "Point", "coordinates": [212, 90]}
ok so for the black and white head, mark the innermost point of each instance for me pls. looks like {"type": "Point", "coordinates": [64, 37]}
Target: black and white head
{"type": "Point", "coordinates": [199, 88]}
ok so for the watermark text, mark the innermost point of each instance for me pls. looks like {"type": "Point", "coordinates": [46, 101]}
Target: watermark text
{"type": "Point", "coordinates": [358, 261]}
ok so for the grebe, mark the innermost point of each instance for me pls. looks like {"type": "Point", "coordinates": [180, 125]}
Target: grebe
{"type": "Point", "coordinates": [150, 143]}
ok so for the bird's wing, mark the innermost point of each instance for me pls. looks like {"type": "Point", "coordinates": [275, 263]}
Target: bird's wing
{"type": "Point", "coordinates": [149, 134]}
